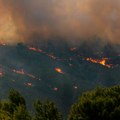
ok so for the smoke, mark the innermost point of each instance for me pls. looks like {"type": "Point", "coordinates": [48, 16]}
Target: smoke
{"type": "Point", "coordinates": [73, 20]}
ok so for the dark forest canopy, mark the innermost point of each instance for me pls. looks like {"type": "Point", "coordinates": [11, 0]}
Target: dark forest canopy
{"type": "Point", "coordinates": [99, 104]}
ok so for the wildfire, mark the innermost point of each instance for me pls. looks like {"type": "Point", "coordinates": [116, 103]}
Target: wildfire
{"type": "Point", "coordinates": [41, 51]}
{"type": "Point", "coordinates": [21, 72]}
{"type": "Point", "coordinates": [102, 62]}
{"type": "Point", "coordinates": [59, 70]}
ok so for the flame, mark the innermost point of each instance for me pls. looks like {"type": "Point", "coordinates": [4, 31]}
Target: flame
{"type": "Point", "coordinates": [41, 51]}
{"type": "Point", "coordinates": [59, 70]}
{"type": "Point", "coordinates": [21, 72]}
{"type": "Point", "coordinates": [102, 62]}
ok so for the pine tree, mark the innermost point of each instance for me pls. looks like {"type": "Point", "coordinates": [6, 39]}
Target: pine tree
{"type": "Point", "coordinates": [46, 111]}
{"type": "Point", "coordinates": [21, 113]}
{"type": "Point", "coordinates": [100, 104]}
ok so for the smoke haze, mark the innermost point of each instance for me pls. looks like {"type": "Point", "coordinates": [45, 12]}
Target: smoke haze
{"type": "Point", "coordinates": [23, 20]}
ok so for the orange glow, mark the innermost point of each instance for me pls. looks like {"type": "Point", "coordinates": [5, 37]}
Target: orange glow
{"type": "Point", "coordinates": [21, 72]}
{"type": "Point", "coordinates": [102, 62]}
{"type": "Point", "coordinates": [59, 70]}
{"type": "Point", "coordinates": [41, 51]}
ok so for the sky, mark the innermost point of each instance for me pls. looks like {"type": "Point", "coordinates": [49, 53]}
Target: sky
{"type": "Point", "coordinates": [72, 20]}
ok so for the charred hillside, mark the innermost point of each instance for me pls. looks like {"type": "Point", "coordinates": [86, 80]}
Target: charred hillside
{"type": "Point", "coordinates": [58, 72]}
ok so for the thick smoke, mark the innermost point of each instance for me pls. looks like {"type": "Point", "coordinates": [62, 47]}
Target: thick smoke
{"type": "Point", "coordinates": [27, 20]}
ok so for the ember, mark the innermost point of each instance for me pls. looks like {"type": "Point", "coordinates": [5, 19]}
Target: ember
{"type": "Point", "coordinates": [59, 70]}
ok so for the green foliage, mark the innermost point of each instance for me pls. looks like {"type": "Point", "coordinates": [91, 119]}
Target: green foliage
{"type": "Point", "coordinates": [46, 111]}
{"type": "Point", "coordinates": [100, 104]}
{"type": "Point", "coordinates": [21, 114]}
{"type": "Point", "coordinates": [16, 98]}
{"type": "Point", "coordinates": [4, 115]}
{"type": "Point", "coordinates": [14, 108]}
{"type": "Point", "coordinates": [7, 106]}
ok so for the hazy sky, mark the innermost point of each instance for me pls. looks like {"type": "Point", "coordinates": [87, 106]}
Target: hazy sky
{"type": "Point", "coordinates": [22, 20]}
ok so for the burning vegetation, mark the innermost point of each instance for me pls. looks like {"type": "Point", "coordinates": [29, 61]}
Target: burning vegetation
{"type": "Point", "coordinates": [102, 62]}
{"type": "Point", "coordinates": [59, 70]}
{"type": "Point", "coordinates": [22, 72]}
{"type": "Point", "coordinates": [55, 71]}
{"type": "Point", "coordinates": [41, 51]}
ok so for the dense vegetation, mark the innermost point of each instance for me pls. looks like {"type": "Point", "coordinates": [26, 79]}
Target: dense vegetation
{"type": "Point", "coordinates": [15, 109]}
{"type": "Point", "coordinates": [99, 104]}
{"type": "Point", "coordinates": [34, 73]}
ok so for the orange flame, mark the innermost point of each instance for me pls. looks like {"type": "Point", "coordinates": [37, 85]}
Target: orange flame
{"type": "Point", "coordinates": [41, 51]}
{"type": "Point", "coordinates": [102, 62]}
{"type": "Point", "coordinates": [59, 70]}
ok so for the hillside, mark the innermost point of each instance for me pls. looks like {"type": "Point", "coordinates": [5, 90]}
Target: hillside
{"type": "Point", "coordinates": [57, 72]}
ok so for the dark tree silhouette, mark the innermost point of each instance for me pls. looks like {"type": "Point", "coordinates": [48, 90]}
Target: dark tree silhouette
{"type": "Point", "coordinates": [46, 111]}
{"type": "Point", "coordinates": [100, 104]}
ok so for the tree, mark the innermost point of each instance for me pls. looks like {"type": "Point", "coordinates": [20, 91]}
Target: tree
{"type": "Point", "coordinates": [100, 104]}
{"type": "Point", "coordinates": [46, 111]}
{"type": "Point", "coordinates": [14, 108]}
{"type": "Point", "coordinates": [7, 107]}
{"type": "Point", "coordinates": [16, 98]}
{"type": "Point", "coordinates": [4, 115]}
{"type": "Point", "coordinates": [21, 113]}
